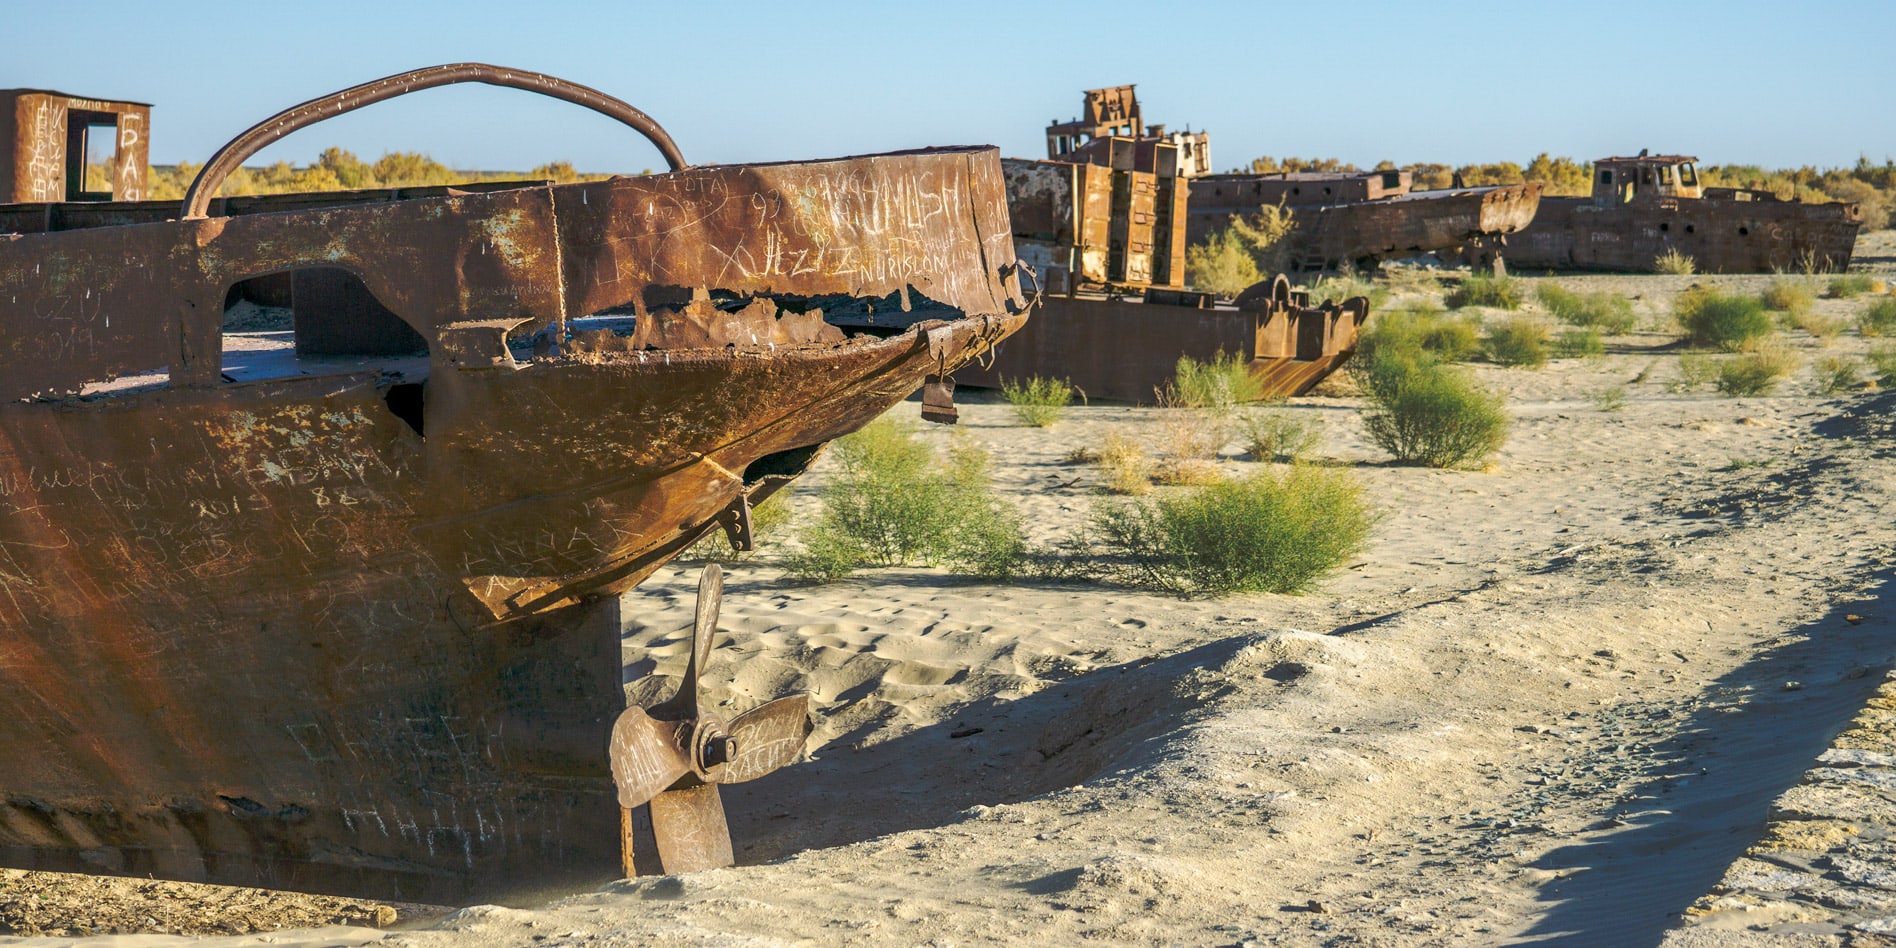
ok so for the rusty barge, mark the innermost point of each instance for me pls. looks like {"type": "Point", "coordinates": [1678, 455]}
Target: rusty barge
{"type": "Point", "coordinates": [1360, 219]}
{"type": "Point", "coordinates": [1648, 206]}
{"type": "Point", "coordinates": [333, 609]}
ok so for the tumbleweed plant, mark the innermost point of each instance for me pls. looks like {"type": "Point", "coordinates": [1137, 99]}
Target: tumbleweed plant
{"type": "Point", "coordinates": [1263, 533]}
{"type": "Point", "coordinates": [1038, 402]}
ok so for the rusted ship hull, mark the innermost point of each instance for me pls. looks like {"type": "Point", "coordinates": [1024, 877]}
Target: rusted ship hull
{"type": "Point", "coordinates": [1374, 228]}
{"type": "Point", "coordinates": [343, 633]}
{"type": "Point", "coordinates": [1127, 351]}
{"type": "Point", "coordinates": [1720, 234]}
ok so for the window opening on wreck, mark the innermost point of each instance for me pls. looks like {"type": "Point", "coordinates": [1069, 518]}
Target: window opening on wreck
{"type": "Point", "coordinates": [91, 153]}
{"type": "Point", "coordinates": [318, 321]}
{"type": "Point", "coordinates": [1688, 175]}
{"type": "Point", "coordinates": [1606, 177]}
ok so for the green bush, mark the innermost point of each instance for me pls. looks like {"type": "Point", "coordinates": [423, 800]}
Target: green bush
{"type": "Point", "coordinates": [1517, 341]}
{"type": "Point", "coordinates": [1579, 344]}
{"type": "Point", "coordinates": [1786, 295]}
{"type": "Point", "coordinates": [1222, 265]}
{"type": "Point", "coordinates": [1272, 435]}
{"type": "Point", "coordinates": [1674, 263]}
{"type": "Point", "coordinates": [1218, 385]}
{"type": "Point", "coordinates": [1850, 285]}
{"type": "Point", "coordinates": [1883, 359]}
{"type": "Point", "coordinates": [1433, 415]}
{"type": "Point", "coordinates": [1818, 325]}
{"type": "Point", "coordinates": [1345, 284]}
{"type": "Point", "coordinates": [1423, 327]}
{"type": "Point", "coordinates": [1262, 533]}
{"type": "Point", "coordinates": [1037, 402]}
{"type": "Point", "coordinates": [1695, 370]}
{"type": "Point", "coordinates": [1838, 374]}
{"type": "Point", "coordinates": [1879, 318]}
{"type": "Point", "coordinates": [1607, 312]}
{"type": "Point", "coordinates": [1711, 318]}
{"type": "Point", "coordinates": [1755, 371]}
{"type": "Point", "coordinates": [1485, 289]}
{"type": "Point", "coordinates": [891, 502]}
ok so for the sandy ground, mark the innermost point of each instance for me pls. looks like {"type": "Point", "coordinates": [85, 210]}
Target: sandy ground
{"type": "Point", "coordinates": [1561, 700]}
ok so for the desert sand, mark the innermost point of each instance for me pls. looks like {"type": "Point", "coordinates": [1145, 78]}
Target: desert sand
{"type": "Point", "coordinates": [1579, 696]}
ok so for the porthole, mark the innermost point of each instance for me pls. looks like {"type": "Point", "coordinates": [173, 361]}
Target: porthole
{"type": "Point", "coordinates": [1663, 226]}
{"type": "Point", "coordinates": [1689, 228]}
{"type": "Point", "coordinates": [1744, 231]}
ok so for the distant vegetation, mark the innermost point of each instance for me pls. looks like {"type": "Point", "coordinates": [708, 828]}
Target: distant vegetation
{"type": "Point", "coordinates": [1871, 185]}
{"type": "Point", "coordinates": [339, 170]}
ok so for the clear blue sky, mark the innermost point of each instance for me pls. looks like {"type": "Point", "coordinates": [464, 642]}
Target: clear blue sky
{"type": "Point", "coordinates": [1740, 82]}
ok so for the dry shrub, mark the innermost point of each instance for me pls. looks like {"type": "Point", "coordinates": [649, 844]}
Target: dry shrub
{"type": "Point", "coordinates": [1838, 374]}
{"type": "Point", "coordinates": [1422, 326]}
{"type": "Point", "coordinates": [1517, 341]}
{"type": "Point", "coordinates": [1850, 286]}
{"type": "Point", "coordinates": [1579, 343]}
{"type": "Point", "coordinates": [891, 501]}
{"type": "Point", "coordinates": [1485, 289]}
{"type": "Point", "coordinates": [1786, 295]}
{"type": "Point", "coordinates": [1262, 533]}
{"type": "Point", "coordinates": [1124, 466]}
{"type": "Point", "coordinates": [1757, 370]}
{"type": "Point", "coordinates": [1280, 435]}
{"type": "Point", "coordinates": [1607, 312]}
{"type": "Point", "coordinates": [1728, 322]}
{"type": "Point", "coordinates": [1037, 402]}
{"type": "Point", "coordinates": [1822, 327]}
{"type": "Point", "coordinates": [1879, 318]}
{"type": "Point", "coordinates": [1695, 369]}
{"type": "Point", "coordinates": [1674, 263]}
{"type": "Point", "coordinates": [1430, 414]}
{"type": "Point", "coordinates": [1189, 442]}
{"type": "Point", "coordinates": [1883, 359]}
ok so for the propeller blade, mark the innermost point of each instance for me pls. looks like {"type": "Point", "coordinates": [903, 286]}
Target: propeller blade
{"type": "Point", "coordinates": [768, 737]}
{"type": "Point", "coordinates": [647, 755]}
{"type": "Point", "coordinates": [689, 828]}
{"type": "Point", "coordinates": [684, 702]}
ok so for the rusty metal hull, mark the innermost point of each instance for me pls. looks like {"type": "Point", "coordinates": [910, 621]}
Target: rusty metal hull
{"type": "Point", "coordinates": [1372, 229]}
{"type": "Point", "coordinates": [343, 633]}
{"type": "Point", "coordinates": [1126, 350]}
{"type": "Point", "coordinates": [1721, 235]}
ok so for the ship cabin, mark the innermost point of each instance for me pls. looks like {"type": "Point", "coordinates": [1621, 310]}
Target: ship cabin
{"type": "Point", "coordinates": [56, 147]}
{"type": "Point", "coordinates": [1645, 178]}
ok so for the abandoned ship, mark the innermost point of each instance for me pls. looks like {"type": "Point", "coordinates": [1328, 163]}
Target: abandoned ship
{"type": "Point", "coordinates": [1103, 224]}
{"type": "Point", "coordinates": [333, 609]}
{"type": "Point", "coordinates": [1649, 206]}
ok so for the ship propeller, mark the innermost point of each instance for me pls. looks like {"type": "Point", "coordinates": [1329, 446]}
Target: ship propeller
{"type": "Point", "coordinates": [673, 755]}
